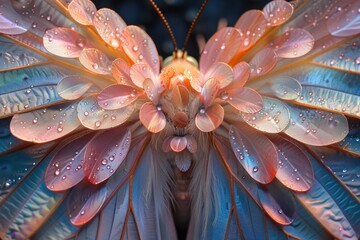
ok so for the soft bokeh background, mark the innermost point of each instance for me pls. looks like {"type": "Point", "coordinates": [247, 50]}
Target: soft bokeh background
{"type": "Point", "coordinates": [179, 13]}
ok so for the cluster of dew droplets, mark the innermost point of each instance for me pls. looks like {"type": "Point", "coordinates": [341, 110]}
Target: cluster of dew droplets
{"type": "Point", "coordinates": [11, 181]}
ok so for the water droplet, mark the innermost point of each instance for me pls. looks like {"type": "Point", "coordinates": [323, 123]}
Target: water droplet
{"type": "Point", "coordinates": [111, 158]}
{"type": "Point", "coordinates": [80, 42]}
{"type": "Point", "coordinates": [104, 162]}
{"type": "Point", "coordinates": [95, 66]}
{"type": "Point", "coordinates": [97, 124]}
{"type": "Point", "coordinates": [60, 129]}
{"type": "Point", "coordinates": [82, 212]}
{"type": "Point", "coordinates": [135, 48]}
{"type": "Point", "coordinates": [57, 172]}
{"type": "Point", "coordinates": [255, 169]}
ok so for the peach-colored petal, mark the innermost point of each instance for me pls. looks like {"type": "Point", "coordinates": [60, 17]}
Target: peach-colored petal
{"type": "Point", "coordinates": [116, 96]}
{"type": "Point", "coordinates": [196, 79]}
{"type": "Point", "coordinates": [252, 25]}
{"type": "Point", "coordinates": [274, 117]}
{"type": "Point", "coordinates": [45, 125]}
{"type": "Point", "coordinates": [221, 72]}
{"type": "Point", "coordinates": [241, 75]}
{"type": "Point", "coordinates": [209, 91]}
{"type": "Point", "coordinates": [263, 62]}
{"type": "Point", "coordinates": [244, 99]}
{"type": "Point", "coordinates": [209, 119]}
{"type": "Point", "coordinates": [64, 42]}
{"type": "Point", "coordinates": [221, 47]}
{"type": "Point", "coordinates": [315, 127]}
{"type": "Point", "coordinates": [140, 48]}
{"type": "Point", "coordinates": [65, 169]}
{"type": "Point", "coordinates": [139, 72]}
{"type": "Point", "coordinates": [178, 144]}
{"type": "Point", "coordinates": [102, 160]}
{"type": "Point", "coordinates": [180, 96]}
{"type": "Point", "coordinates": [293, 43]}
{"type": "Point", "coordinates": [92, 116]}
{"type": "Point", "coordinates": [278, 12]}
{"type": "Point", "coordinates": [286, 88]}
{"type": "Point", "coordinates": [82, 11]}
{"type": "Point", "coordinates": [95, 60]}
{"type": "Point", "coordinates": [345, 22]}
{"type": "Point", "coordinates": [109, 26]}
{"type": "Point", "coordinates": [191, 144]}
{"type": "Point", "coordinates": [120, 70]}
{"type": "Point", "coordinates": [73, 87]}
{"type": "Point", "coordinates": [255, 152]}
{"type": "Point", "coordinates": [152, 117]}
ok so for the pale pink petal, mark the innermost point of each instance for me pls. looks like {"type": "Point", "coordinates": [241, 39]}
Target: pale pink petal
{"type": "Point", "coordinates": [120, 70]}
{"type": "Point", "coordinates": [151, 90]}
{"type": "Point", "coordinates": [286, 88]}
{"type": "Point", "coordinates": [221, 72]}
{"type": "Point", "coordinates": [64, 42]}
{"type": "Point", "coordinates": [295, 170]}
{"type": "Point", "coordinates": [95, 60]}
{"type": "Point", "coordinates": [252, 25]}
{"type": "Point", "coordinates": [82, 11]}
{"type": "Point", "coordinates": [117, 96]}
{"type": "Point", "coordinates": [209, 119]}
{"type": "Point", "coordinates": [221, 47]}
{"type": "Point", "coordinates": [140, 48]}
{"type": "Point", "coordinates": [209, 91]}
{"type": "Point", "coordinates": [278, 12]}
{"type": "Point", "coordinates": [346, 22]}
{"type": "Point", "coordinates": [73, 87]}
{"type": "Point", "coordinates": [293, 43]}
{"type": "Point", "coordinates": [109, 26]}
{"type": "Point", "coordinates": [139, 72]}
{"type": "Point", "coordinates": [152, 117]}
{"type": "Point", "coordinates": [263, 62]}
{"type": "Point", "coordinates": [166, 144]}
{"type": "Point", "coordinates": [85, 201]}
{"type": "Point", "coordinates": [180, 96]}
{"type": "Point", "coordinates": [274, 117]}
{"type": "Point", "coordinates": [65, 169]}
{"type": "Point", "coordinates": [244, 99]}
{"type": "Point", "coordinates": [241, 75]}
{"type": "Point", "coordinates": [255, 152]}
{"type": "Point", "coordinates": [45, 125]}
{"type": "Point", "coordinates": [191, 144]}
{"type": "Point", "coordinates": [315, 127]}
{"type": "Point", "coordinates": [92, 116]}
{"type": "Point", "coordinates": [180, 119]}
{"type": "Point", "coordinates": [12, 22]}
{"type": "Point", "coordinates": [105, 153]}
{"type": "Point", "coordinates": [178, 144]}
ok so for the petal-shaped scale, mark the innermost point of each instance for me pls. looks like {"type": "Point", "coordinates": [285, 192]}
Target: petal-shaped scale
{"type": "Point", "coordinates": [243, 99]}
{"type": "Point", "coordinates": [65, 169]}
{"type": "Point", "coordinates": [120, 70]}
{"type": "Point", "coordinates": [331, 99]}
{"type": "Point", "coordinates": [196, 79]}
{"type": "Point", "coordinates": [209, 91]}
{"type": "Point", "coordinates": [316, 127]}
{"type": "Point", "coordinates": [252, 25]}
{"type": "Point", "coordinates": [180, 96]}
{"type": "Point", "coordinates": [183, 162]}
{"type": "Point", "coordinates": [104, 154]}
{"type": "Point", "coordinates": [45, 125]}
{"type": "Point", "coordinates": [278, 11]}
{"type": "Point", "coordinates": [139, 72]}
{"type": "Point", "coordinates": [151, 90]}
{"type": "Point", "coordinates": [64, 42]}
{"type": "Point", "coordinates": [209, 119]}
{"type": "Point", "coordinates": [180, 119]}
{"type": "Point", "coordinates": [293, 43]}
{"type": "Point", "coordinates": [178, 144]}
{"type": "Point", "coordinates": [95, 60]}
{"type": "Point", "coordinates": [73, 87]}
{"type": "Point", "coordinates": [140, 47]}
{"type": "Point", "coordinates": [82, 11]}
{"type": "Point", "coordinates": [109, 25]}
{"type": "Point", "coordinates": [221, 47]}
{"type": "Point", "coordinates": [84, 203]}
{"type": "Point", "coordinates": [92, 116]}
{"type": "Point", "coordinates": [286, 88]}
{"type": "Point", "coordinates": [295, 170]}
{"type": "Point", "coordinates": [116, 96]}
{"type": "Point", "coordinates": [274, 117]}
{"type": "Point", "coordinates": [241, 75]}
{"type": "Point", "coordinates": [260, 162]}
{"type": "Point", "coordinates": [10, 21]}
{"type": "Point", "coordinates": [191, 144]}
{"type": "Point", "coordinates": [278, 203]}
{"type": "Point", "coordinates": [152, 117]}
{"type": "Point", "coordinates": [263, 62]}
{"type": "Point", "coordinates": [346, 22]}
{"type": "Point", "coordinates": [221, 72]}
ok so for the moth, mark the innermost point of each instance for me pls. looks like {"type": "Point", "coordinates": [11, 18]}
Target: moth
{"type": "Point", "coordinates": [101, 138]}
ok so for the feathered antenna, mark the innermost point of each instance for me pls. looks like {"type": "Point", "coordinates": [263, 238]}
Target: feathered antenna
{"type": "Point", "coordinates": [163, 19]}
